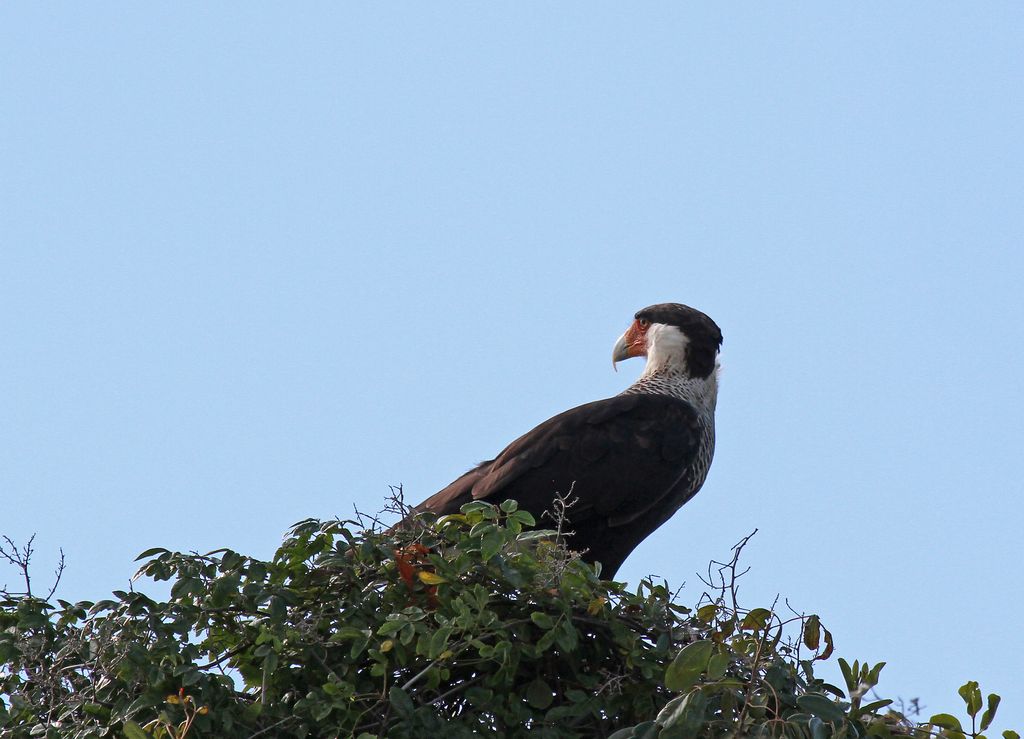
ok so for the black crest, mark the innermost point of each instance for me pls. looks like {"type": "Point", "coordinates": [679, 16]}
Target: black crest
{"type": "Point", "coordinates": [704, 335]}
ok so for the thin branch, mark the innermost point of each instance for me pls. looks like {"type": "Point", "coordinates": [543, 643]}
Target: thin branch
{"type": "Point", "coordinates": [458, 688]}
{"type": "Point", "coordinates": [226, 656]}
{"type": "Point", "coordinates": [727, 576]}
{"type": "Point", "coordinates": [57, 575]}
{"type": "Point", "coordinates": [559, 513]}
{"type": "Point", "coordinates": [362, 518]}
{"type": "Point", "coordinates": [20, 559]}
{"type": "Point", "coordinates": [412, 681]}
{"type": "Point", "coordinates": [272, 726]}
{"type": "Point", "coordinates": [323, 663]}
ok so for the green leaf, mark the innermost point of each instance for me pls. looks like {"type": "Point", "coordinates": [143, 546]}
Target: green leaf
{"type": "Point", "coordinates": [322, 711]}
{"type": "Point", "coordinates": [686, 668]}
{"type": "Point", "coordinates": [684, 718]}
{"type": "Point", "coordinates": [873, 707]}
{"type": "Point", "coordinates": [401, 701]}
{"type": "Point", "coordinates": [945, 721]}
{"type": "Point", "coordinates": [990, 712]}
{"type": "Point", "coordinates": [717, 666]}
{"type": "Point", "coordinates": [539, 694]}
{"type": "Point", "coordinates": [391, 627]}
{"type": "Point", "coordinates": [873, 674]}
{"type": "Point", "coordinates": [756, 620]}
{"type": "Point", "coordinates": [851, 681]}
{"type": "Point", "coordinates": [508, 506]}
{"type": "Point", "coordinates": [880, 729]}
{"type": "Point", "coordinates": [668, 713]}
{"type": "Point", "coordinates": [707, 613]}
{"type": "Point", "coordinates": [482, 528]}
{"type": "Point", "coordinates": [358, 645]}
{"type": "Point", "coordinates": [1008, 734]}
{"type": "Point", "coordinates": [819, 729]}
{"type": "Point", "coordinates": [476, 506]}
{"type": "Point", "coordinates": [646, 730]}
{"type": "Point", "coordinates": [971, 694]}
{"type": "Point", "coordinates": [140, 703]}
{"type": "Point", "coordinates": [566, 636]}
{"type": "Point", "coordinates": [821, 707]}
{"type": "Point", "coordinates": [348, 632]}
{"type": "Point", "coordinates": [145, 555]}
{"type": "Point", "coordinates": [542, 620]}
{"type": "Point", "coordinates": [183, 587]}
{"type": "Point", "coordinates": [133, 731]}
{"type": "Point", "coordinates": [438, 641]}
{"type": "Point", "coordinates": [537, 534]}
{"type": "Point", "coordinates": [269, 662]}
{"type": "Point", "coordinates": [524, 517]}
{"type": "Point", "coordinates": [407, 634]}
{"type": "Point", "coordinates": [277, 609]}
{"type": "Point", "coordinates": [490, 544]}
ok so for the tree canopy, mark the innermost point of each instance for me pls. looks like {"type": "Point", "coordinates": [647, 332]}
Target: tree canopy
{"type": "Point", "coordinates": [475, 624]}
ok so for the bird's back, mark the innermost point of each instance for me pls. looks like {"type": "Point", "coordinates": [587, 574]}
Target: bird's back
{"type": "Point", "coordinates": [628, 462]}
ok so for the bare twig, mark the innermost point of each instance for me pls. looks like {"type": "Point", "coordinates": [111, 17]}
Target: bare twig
{"type": "Point", "coordinates": [57, 575]}
{"type": "Point", "coordinates": [20, 559]}
{"type": "Point", "coordinates": [557, 558]}
{"type": "Point", "coordinates": [361, 519]}
{"type": "Point", "coordinates": [727, 574]}
{"type": "Point", "coordinates": [396, 502]}
{"type": "Point", "coordinates": [612, 684]}
{"type": "Point", "coordinates": [559, 513]}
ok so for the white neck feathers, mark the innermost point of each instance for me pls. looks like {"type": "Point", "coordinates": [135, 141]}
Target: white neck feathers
{"type": "Point", "coordinates": [666, 372]}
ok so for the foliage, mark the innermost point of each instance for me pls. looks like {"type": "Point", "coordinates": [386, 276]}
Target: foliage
{"type": "Point", "coordinates": [470, 625]}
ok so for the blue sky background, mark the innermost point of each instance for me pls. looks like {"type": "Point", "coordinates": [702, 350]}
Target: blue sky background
{"type": "Point", "coordinates": [258, 262]}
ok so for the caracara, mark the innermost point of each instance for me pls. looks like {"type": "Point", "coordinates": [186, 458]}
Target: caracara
{"type": "Point", "coordinates": [631, 460]}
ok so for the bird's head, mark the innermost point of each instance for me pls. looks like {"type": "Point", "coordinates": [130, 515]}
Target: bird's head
{"type": "Point", "coordinates": [673, 337]}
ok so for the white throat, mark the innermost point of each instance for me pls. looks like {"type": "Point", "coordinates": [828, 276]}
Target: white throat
{"type": "Point", "coordinates": [666, 350]}
{"type": "Point", "coordinates": [666, 372]}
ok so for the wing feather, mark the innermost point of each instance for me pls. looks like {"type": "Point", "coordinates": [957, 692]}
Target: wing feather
{"type": "Point", "coordinates": [621, 457]}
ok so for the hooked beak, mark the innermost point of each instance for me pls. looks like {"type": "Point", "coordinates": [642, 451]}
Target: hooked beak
{"type": "Point", "coordinates": [633, 343]}
{"type": "Point", "coordinates": [620, 351]}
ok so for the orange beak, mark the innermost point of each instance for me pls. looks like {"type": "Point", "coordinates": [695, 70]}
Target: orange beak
{"type": "Point", "coordinates": [633, 343]}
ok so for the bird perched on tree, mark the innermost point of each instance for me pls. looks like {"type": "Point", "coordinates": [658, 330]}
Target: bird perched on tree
{"type": "Point", "coordinates": [631, 460]}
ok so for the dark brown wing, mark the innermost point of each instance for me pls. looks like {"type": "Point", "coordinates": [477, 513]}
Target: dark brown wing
{"type": "Point", "coordinates": [627, 459]}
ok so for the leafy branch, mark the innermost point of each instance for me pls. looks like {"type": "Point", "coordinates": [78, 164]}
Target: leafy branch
{"type": "Point", "coordinates": [469, 624]}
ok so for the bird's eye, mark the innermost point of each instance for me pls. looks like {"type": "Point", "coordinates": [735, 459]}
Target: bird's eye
{"type": "Point", "coordinates": [644, 323]}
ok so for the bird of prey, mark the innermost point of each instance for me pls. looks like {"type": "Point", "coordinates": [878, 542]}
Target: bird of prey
{"type": "Point", "coordinates": [630, 460]}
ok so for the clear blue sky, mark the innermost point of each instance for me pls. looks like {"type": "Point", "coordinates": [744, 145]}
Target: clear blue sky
{"type": "Point", "coordinates": [258, 262]}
